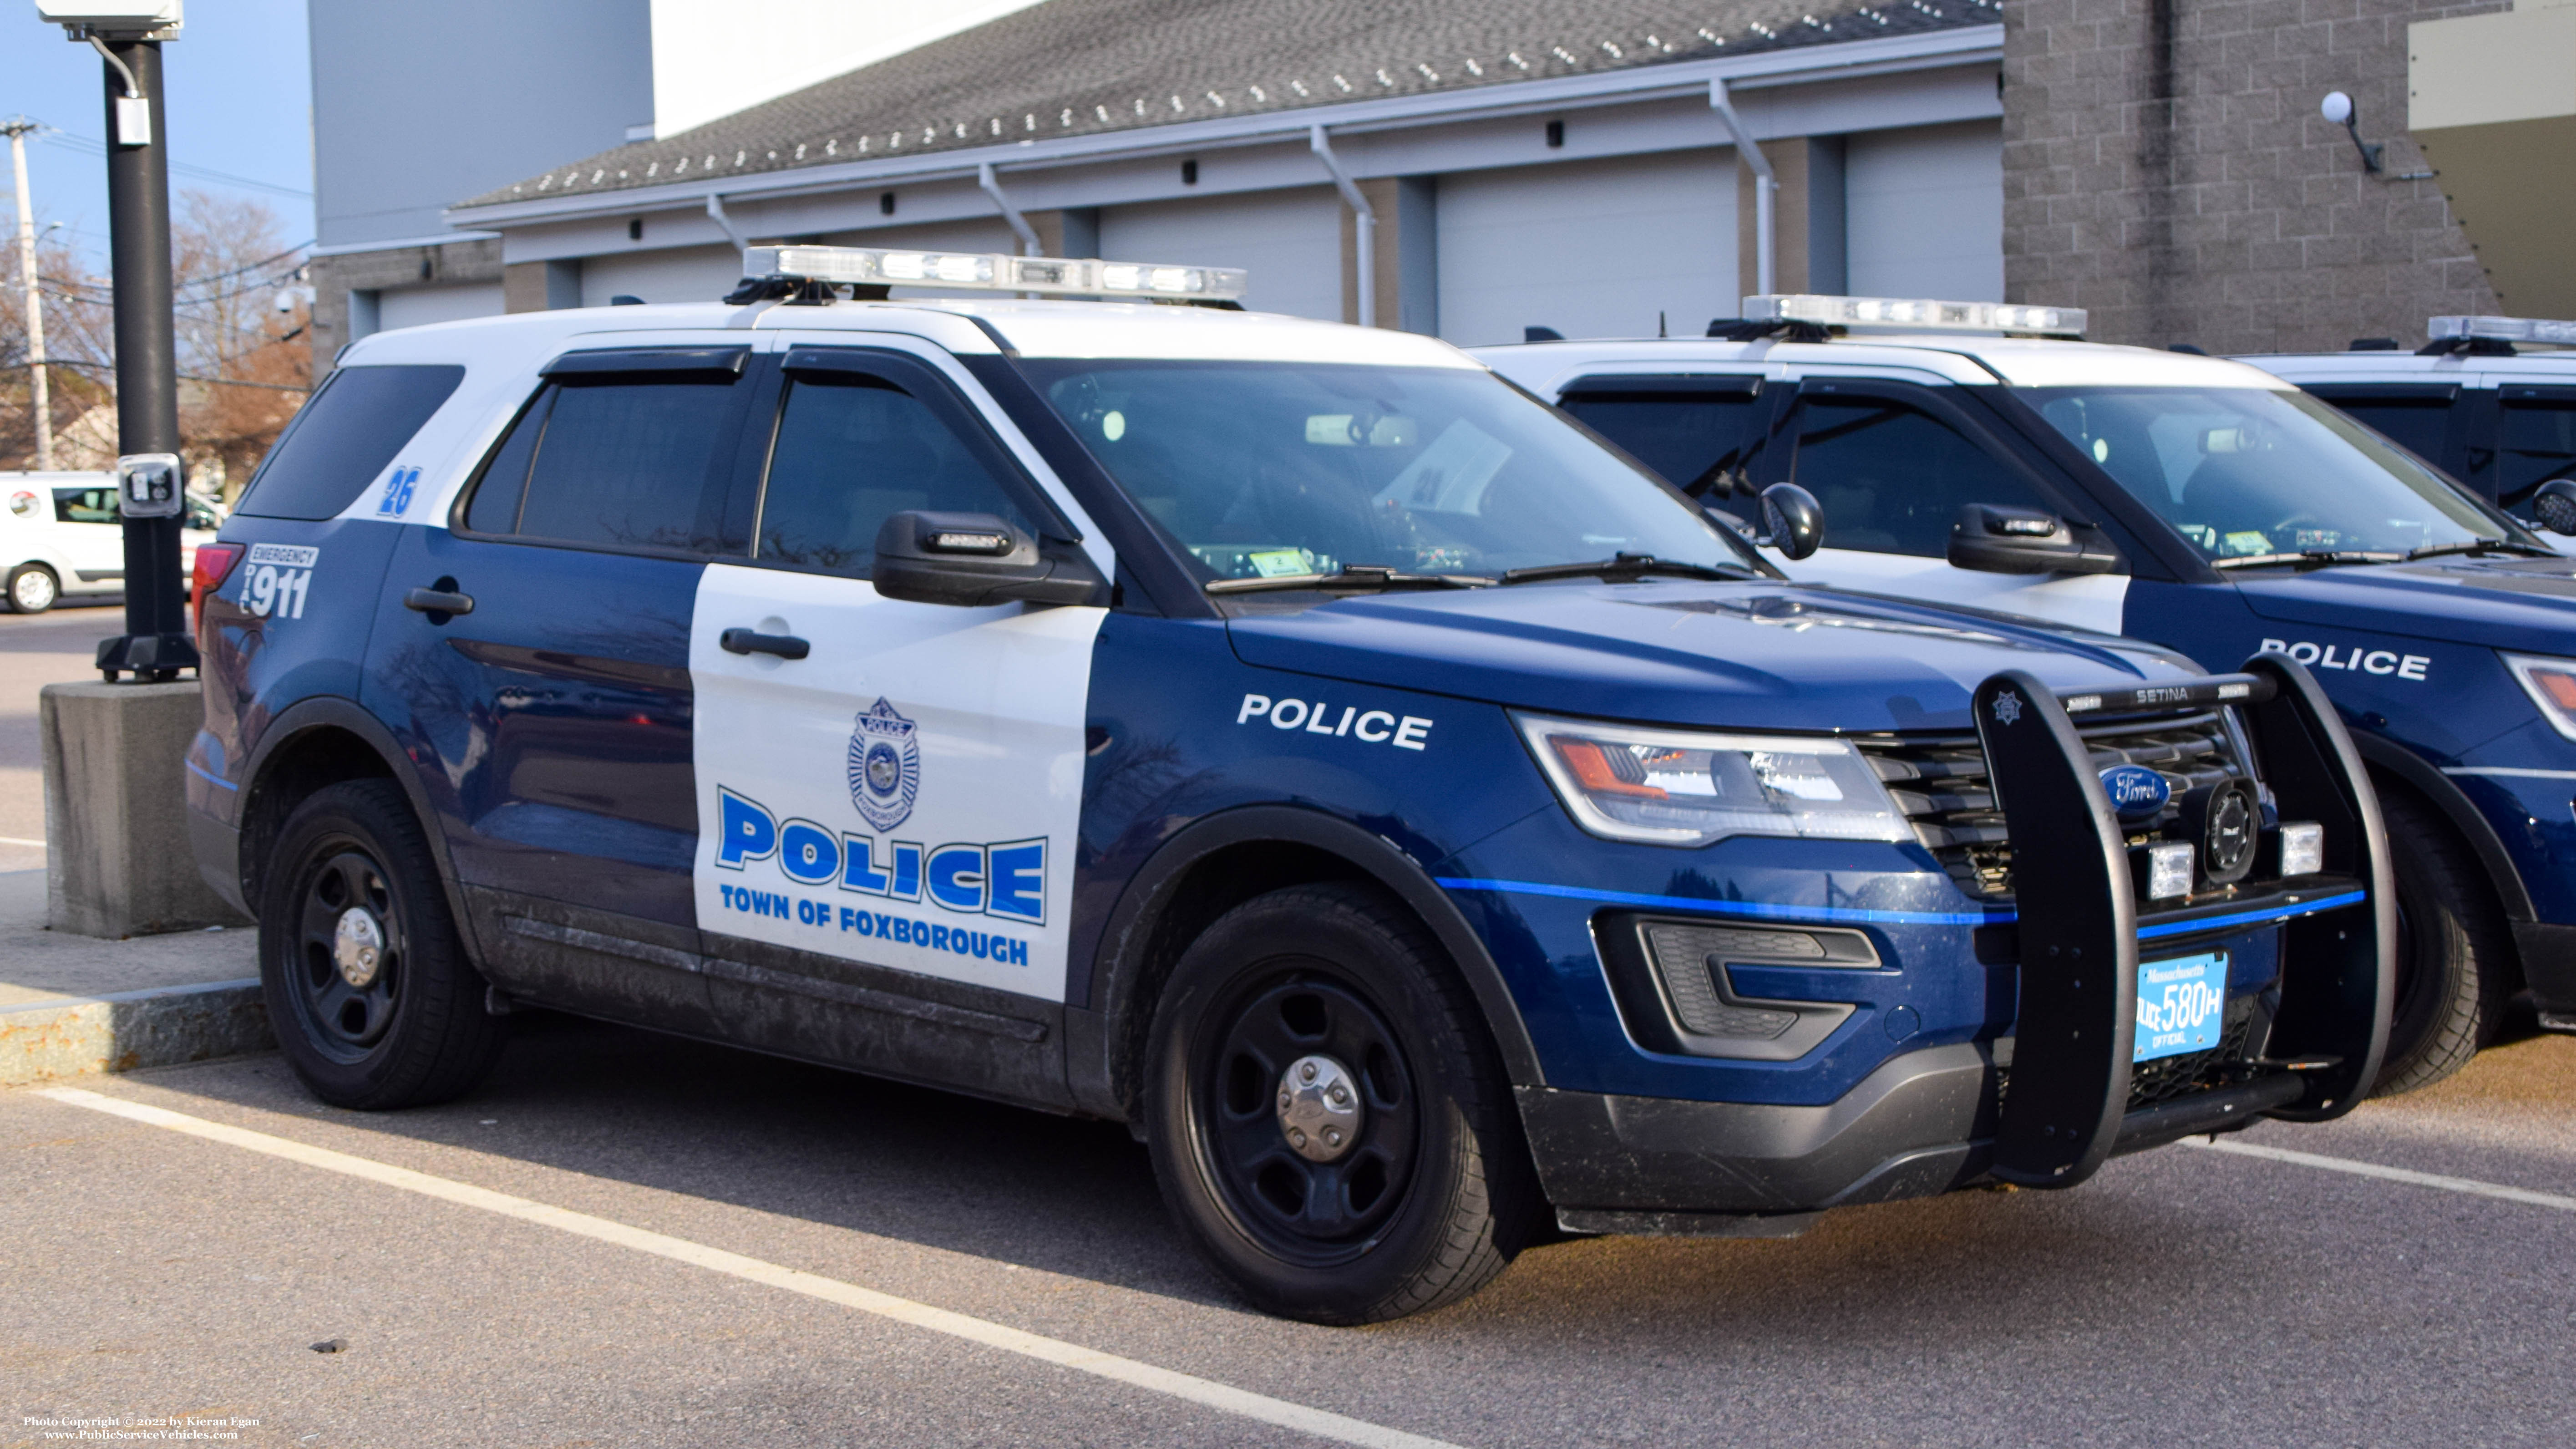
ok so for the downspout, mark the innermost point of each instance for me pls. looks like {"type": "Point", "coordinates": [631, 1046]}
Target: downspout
{"type": "Point", "coordinates": [1365, 215]}
{"type": "Point", "coordinates": [716, 213]}
{"type": "Point", "coordinates": [1764, 184]}
{"type": "Point", "coordinates": [992, 186]}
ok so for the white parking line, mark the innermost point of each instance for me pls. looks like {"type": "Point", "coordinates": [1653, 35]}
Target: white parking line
{"type": "Point", "coordinates": [2468, 1185]}
{"type": "Point", "coordinates": [1317, 1422]}
{"type": "Point", "coordinates": [14, 840]}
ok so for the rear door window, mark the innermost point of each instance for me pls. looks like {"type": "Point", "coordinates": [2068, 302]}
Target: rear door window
{"type": "Point", "coordinates": [861, 438]}
{"type": "Point", "coordinates": [1892, 478]}
{"type": "Point", "coordinates": [85, 505]}
{"type": "Point", "coordinates": [616, 460]}
{"type": "Point", "coordinates": [2416, 418]}
{"type": "Point", "coordinates": [344, 437]}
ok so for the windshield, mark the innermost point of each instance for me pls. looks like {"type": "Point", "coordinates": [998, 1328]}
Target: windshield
{"type": "Point", "coordinates": [2246, 472]}
{"type": "Point", "coordinates": [1262, 470]}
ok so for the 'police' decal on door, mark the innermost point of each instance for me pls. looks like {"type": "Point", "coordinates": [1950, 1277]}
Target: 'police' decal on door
{"type": "Point", "coordinates": [904, 794]}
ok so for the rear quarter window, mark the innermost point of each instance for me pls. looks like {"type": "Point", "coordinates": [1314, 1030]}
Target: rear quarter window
{"type": "Point", "coordinates": [344, 437]}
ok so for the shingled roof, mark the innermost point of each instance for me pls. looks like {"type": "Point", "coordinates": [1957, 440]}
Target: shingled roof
{"type": "Point", "coordinates": [1076, 67]}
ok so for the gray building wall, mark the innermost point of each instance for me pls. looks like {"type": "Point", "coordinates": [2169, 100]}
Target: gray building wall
{"type": "Point", "coordinates": [416, 105]}
{"type": "Point", "coordinates": [2165, 168]}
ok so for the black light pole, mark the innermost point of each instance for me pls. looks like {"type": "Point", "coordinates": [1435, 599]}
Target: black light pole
{"type": "Point", "coordinates": [155, 645]}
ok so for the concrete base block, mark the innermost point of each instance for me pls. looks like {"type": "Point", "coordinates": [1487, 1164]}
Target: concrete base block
{"type": "Point", "coordinates": [117, 861]}
{"type": "Point", "coordinates": [130, 1030]}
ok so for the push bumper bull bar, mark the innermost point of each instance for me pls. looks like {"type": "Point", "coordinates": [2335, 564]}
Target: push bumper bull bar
{"type": "Point", "coordinates": [2078, 928]}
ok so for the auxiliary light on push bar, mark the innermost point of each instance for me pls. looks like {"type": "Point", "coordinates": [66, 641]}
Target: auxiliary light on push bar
{"type": "Point", "coordinates": [994, 272]}
{"type": "Point", "coordinates": [1916, 314]}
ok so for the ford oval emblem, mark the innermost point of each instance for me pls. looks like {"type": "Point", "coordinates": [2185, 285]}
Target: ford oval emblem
{"type": "Point", "coordinates": [2137, 793]}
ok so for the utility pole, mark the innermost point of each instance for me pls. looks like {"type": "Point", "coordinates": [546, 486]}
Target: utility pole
{"type": "Point", "coordinates": [150, 485]}
{"type": "Point", "coordinates": [39, 387]}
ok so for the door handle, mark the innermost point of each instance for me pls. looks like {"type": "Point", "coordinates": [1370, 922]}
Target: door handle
{"type": "Point", "coordinates": [438, 601]}
{"type": "Point", "coordinates": [746, 641]}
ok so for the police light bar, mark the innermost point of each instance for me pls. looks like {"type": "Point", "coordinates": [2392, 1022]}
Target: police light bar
{"type": "Point", "coordinates": [1916, 315]}
{"type": "Point", "coordinates": [2507, 329]}
{"type": "Point", "coordinates": [993, 272]}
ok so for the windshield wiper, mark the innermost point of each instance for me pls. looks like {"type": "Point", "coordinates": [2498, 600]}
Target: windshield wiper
{"type": "Point", "coordinates": [2314, 558]}
{"type": "Point", "coordinates": [2478, 546]}
{"type": "Point", "coordinates": [1352, 576]}
{"type": "Point", "coordinates": [1626, 568]}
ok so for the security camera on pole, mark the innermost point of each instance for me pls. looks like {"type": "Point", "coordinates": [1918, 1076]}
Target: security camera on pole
{"type": "Point", "coordinates": [151, 496]}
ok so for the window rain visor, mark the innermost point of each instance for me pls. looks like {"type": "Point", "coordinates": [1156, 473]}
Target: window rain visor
{"type": "Point", "coordinates": [1671, 787]}
{"type": "Point", "coordinates": [1264, 469]}
{"type": "Point", "coordinates": [2242, 472]}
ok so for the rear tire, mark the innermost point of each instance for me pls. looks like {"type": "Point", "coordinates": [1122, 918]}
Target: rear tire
{"type": "Point", "coordinates": [2455, 960]}
{"type": "Point", "coordinates": [33, 588]}
{"type": "Point", "coordinates": [368, 988]}
{"type": "Point", "coordinates": [1429, 1196]}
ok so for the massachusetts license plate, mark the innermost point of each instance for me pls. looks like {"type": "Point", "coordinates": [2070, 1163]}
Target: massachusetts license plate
{"type": "Point", "coordinates": [2179, 1005]}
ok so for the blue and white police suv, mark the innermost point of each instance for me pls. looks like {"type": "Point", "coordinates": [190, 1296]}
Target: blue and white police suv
{"type": "Point", "coordinates": [1288, 739]}
{"type": "Point", "coordinates": [2192, 501]}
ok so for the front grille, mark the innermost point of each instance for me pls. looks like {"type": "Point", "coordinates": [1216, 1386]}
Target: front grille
{"type": "Point", "coordinates": [1939, 782]}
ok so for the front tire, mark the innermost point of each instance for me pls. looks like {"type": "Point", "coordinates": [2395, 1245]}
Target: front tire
{"type": "Point", "coordinates": [368, 988]}
{"type": "Point", "coordinates": [2455, 962]}
{"type": "Point", "coordinates": [33, 588]}
{"type": "Point", "coordinates": [1424, 1191]}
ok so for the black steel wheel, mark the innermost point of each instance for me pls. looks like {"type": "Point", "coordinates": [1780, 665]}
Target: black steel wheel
{"type": "Point", "coordinates": [1329, 1122]}
{"type": "Point", "coordinates": [2455, 964]}
{"type": "Point", "coordinates": [1320, 1198]}
{"type": "Point", "coordinates": [368, 988]}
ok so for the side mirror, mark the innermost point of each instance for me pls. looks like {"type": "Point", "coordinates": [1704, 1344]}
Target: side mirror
{"type": "Point", "coordinates": [1792, 521]}
{"type": "Point", "coordinates": [974, 559]}
{"type": "Point", "coordinates": [1996, 540]}
{"type": "Point", "coordinates": [2555, 506]}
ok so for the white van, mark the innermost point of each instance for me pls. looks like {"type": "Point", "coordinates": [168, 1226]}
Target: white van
{"type": "Point", "coordinates": [60, 537]}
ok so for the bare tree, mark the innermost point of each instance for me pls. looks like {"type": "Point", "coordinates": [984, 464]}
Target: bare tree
{"type": "Point", "coordinates": [241, 378]}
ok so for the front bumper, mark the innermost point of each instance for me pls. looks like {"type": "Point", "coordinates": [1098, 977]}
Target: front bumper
{"type": "Point", "coordinates": [2066, 1099]}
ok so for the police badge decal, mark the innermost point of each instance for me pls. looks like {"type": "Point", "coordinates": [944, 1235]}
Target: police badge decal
{"type": "Point", "coordinates": [885, 766]}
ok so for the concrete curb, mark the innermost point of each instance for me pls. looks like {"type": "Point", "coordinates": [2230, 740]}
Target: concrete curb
{"type": "Point", "coordinates": [128, 1030]}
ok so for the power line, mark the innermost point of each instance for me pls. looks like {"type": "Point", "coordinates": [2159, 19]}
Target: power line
{"type": "Point", "coordinates": [74, 141]}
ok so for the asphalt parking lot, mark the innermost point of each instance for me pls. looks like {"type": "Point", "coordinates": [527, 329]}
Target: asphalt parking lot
{"type": "Point", "coordinates": [692, 1241]}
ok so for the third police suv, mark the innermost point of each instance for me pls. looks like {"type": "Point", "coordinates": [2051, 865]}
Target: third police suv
{"type": "Point", "coordinates": [1423, 827]}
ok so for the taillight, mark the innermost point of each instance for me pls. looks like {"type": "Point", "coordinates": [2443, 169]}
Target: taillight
{"type": "Point", "coordinates": [214, 565]}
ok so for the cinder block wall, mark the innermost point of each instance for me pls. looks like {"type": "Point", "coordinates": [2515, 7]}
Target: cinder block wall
{"type": "Point", "coordinates": [334, 278]}
{"type": "Point", "coordinates": [2166, 168]}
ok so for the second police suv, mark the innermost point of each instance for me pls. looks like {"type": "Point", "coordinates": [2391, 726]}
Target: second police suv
{"type": "Point", "coordinates": [1418, 824]}
{"type": "Point", "coordinates": [2208, 506]}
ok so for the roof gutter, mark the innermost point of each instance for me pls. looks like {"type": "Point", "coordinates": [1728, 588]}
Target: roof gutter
{"type": "Point", "coordinates": [1765, 186]}
{"type": "Point", "coordinates": [1365, 217]}
{"type": "Point", "coordinates": [1678, 80]}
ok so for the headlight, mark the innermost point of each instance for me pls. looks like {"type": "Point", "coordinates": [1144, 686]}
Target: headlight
{"type": "Point", "coordinates": [1674, 787]}
{"type": "Point", "coordinates": [2551, 683]}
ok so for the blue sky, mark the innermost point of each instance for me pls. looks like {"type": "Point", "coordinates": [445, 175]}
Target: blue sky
{"type": "Point", "coordinates": [240, 105]}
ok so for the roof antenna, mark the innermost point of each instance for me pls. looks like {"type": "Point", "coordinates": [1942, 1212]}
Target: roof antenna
{"type": "Point", "coordinates": [1660, 329]}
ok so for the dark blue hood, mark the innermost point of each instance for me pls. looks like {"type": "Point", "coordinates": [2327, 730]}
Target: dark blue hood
{"type": "Point", "coordinates": [2503, 603]}
{"type": "Point", "coordinates": [1755, 655]}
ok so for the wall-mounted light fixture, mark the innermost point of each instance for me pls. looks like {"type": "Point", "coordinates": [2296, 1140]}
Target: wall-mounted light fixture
{"type": "Point", "coordinates": [2339, 110]}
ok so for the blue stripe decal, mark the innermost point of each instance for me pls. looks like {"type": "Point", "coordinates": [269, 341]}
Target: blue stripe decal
{"type": "Point", "coordinates": [2255, 918]}
{"type": "Point", "coordinates": [1753, 909]}
{"type": "Point", "coordinates": [1757, 910]}
{"type": "Point", "coordinates": [199, 771]}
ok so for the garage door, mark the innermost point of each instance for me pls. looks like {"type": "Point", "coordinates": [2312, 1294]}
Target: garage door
{"type": "Point", "coordinates": [676, 274]}
{"type": "Point", "coordinates": [420, 306]}
{"type": "Point", "coordinates": [1290, 241]}
{"type": "Point", "coordinates": [1925, 212]}
{"type": "Point", "coordinates": [1592, 248]}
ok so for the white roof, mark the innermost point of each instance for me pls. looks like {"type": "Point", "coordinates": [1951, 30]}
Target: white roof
{"type": "Point", "coordinates": [1545, 367]}
{"type": "Point", "coordinates": [2307, 367]}
{"type": "Point", "coordinates": [1032, 328]}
